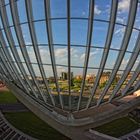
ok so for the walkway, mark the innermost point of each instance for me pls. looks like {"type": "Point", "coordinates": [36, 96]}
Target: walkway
{"type": "Point", "coordinates": [135, 135]}
{"type": "Point", "coordinates": [16, 107]}
{"type": "Point", "coordinates": [8, 132]}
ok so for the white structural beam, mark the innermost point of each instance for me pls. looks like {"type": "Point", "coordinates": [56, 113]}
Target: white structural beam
{"type": "Point", "coordinates": [88, 47]}
{"type": "Point", "coordinates": [126, 38]}
{"type": "Point", "coordinates": [69, 51]}
{"type": "Point", "coordinates": [106, 49]}
{"type": "Point", "coordinates": [35, 46]}
{"type": "Point", "coordinates": [131, 81]}
{"type": "Point", "coordinates": [51, 47]}
{"type": "Point", "coordinates": [24, 52]}
{"type": "Point", "coordinates": [128, 68]}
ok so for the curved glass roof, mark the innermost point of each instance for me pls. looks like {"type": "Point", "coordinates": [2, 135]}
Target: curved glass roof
{"type": "Point", "coordinates": [73, 54]}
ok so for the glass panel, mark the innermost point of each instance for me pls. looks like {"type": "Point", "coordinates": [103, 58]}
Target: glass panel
{"type": "Point", "coordinates": [6, 1]}
{"type": "Point", "coordinates": [1, 25]}
{"type": "Point", "coordinates": [12, 56]}
{"type": "Point", "coordinates": [118, 36]}
{"type": "Point", "coordinates": [9, 15]}
{"type": "Point", "coordinates": [61, 55]}
{"type": "Point", "coordinates": [63, 79]}
{"type": "Point", "coordinates": [95, 58]}
{"type": "Point", "coordinates": [48, 71]}
{"type": "Point", "coordinates": [21, 11]}
{"type": "Point", "coordinates": [50, 78]}
{"type": "Point", "coordinates": [128, 78]}
{"type": "Point", "coordinates": [79, 32]}
{"type": "Point", "coordinates": [90, 79]}
{"type": "Point", "coordinates": [5, 58]}
{"type": "Point", "coordinates": [5, 38]}
{"type": "Point", "coordinates": [125, 61]}
{"type": "Point", "coordinates": [99, 33]}
{"type": "Point", "coordinates": [123, 10]}
{"type": "Point", "coordinates": [14, 36]}
{"type": "Point", "coordinates": [36, 70]}
{"type": "Point", "coordinates": [115, 81]}
{"type": "Point", "coordinates": [59, 31]}
{"type": "Point", "coordinates": [133, 40]}
{"type": "Point", "coordinates": [38, 9]}
{"type": "Point", "coordinates": [40, 28]}
{"type": "Point", "coordinates": [58, 8]}
{"type": "Point", "coordinates": [20, 54]}
{"type": "Point", "coordinates": [137, 20]}
{"type": "Point", "coordinates": [31, 54]}
{"type": "Point", "coordinates": [104, 78]}
{"type": "Point", "coordinates": [77, 56]}
{"type": "Point", "coordinates": [60, 69]}
{"type": "Point", "coordinates": [18, 71]}
{"type": "Point", "coordinates": [111, 60]}
{"type": "Point", "coordinates": [26, 69]}
{"type": "Point", "coordinates": [75, 89]}
{"type": "Point", "coordinates": [80, 8]}
{"type": "Point", "coordinates": [102, 9]}
{"type": "Point", "coordinates": [26, 34]}
{"type": "Point", "coordinates": [45, 54]}
{"type": "Point", "coordinates": [136, 63]}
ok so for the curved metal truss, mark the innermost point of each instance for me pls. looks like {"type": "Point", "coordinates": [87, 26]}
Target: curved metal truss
{"type": "Point", "coordinates": [44, 55]}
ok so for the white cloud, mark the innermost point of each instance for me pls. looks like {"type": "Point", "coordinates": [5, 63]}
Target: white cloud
{"type": "Point", "coordinates": [61, 69]}
{"type": "Point", "coordinates": [120, 31]}
{"type": "Point", "coordinates": [92, 54]}
{"type": "Point", "coordinates": [97, 10]}
{"type": "Point", "coordinates": [74, 53]}
{"type": "Point", "coordinates": [125, 61]}
{"type": "Point", "coordinates": [123, 5]}
{"type": "Point", "coordinates": [82, 56]}
{"type": "Point", "coordinates": [120, 20]}
{"type": "Point", "coordinates": [83, 13]}
{"type": "Point", "coordinates": [61, 52]}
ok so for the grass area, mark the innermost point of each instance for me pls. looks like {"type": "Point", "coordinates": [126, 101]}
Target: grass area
{"type": "Point", "coordinates": [27, 122]}
{"type": "Point", "coordinates": [30, 124]}
{"type": "Point", "coordinates": [118, 127]}
{"type": "Point", "coordinates": [7, 97]}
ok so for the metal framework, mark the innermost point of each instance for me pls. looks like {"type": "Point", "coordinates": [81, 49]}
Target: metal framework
{"type": "Point", "coordinates": [52, 95]}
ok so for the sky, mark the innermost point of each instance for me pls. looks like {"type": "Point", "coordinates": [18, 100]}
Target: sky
{"type": "Point", "coordinates": [79, 9]}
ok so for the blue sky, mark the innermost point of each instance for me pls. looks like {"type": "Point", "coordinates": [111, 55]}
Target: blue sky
{"type": "Point", "coordinates": [79, 9]}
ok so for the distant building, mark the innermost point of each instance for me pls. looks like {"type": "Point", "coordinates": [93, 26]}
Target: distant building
{"type": "Point", "coordinates": [64, 75]}
{"type": "Point", "coordinates": [78, 77]}
{"type": "Point", "coordinates": [105, 76]}
{"type": "Point", "coordinates": [90, 78]}
{"type": "Point", "coordinates": [40, 80]}
{"type": "Point", "coordinates": [51, 79]}
{"type": "Point", "coordinates": [128, 78]}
